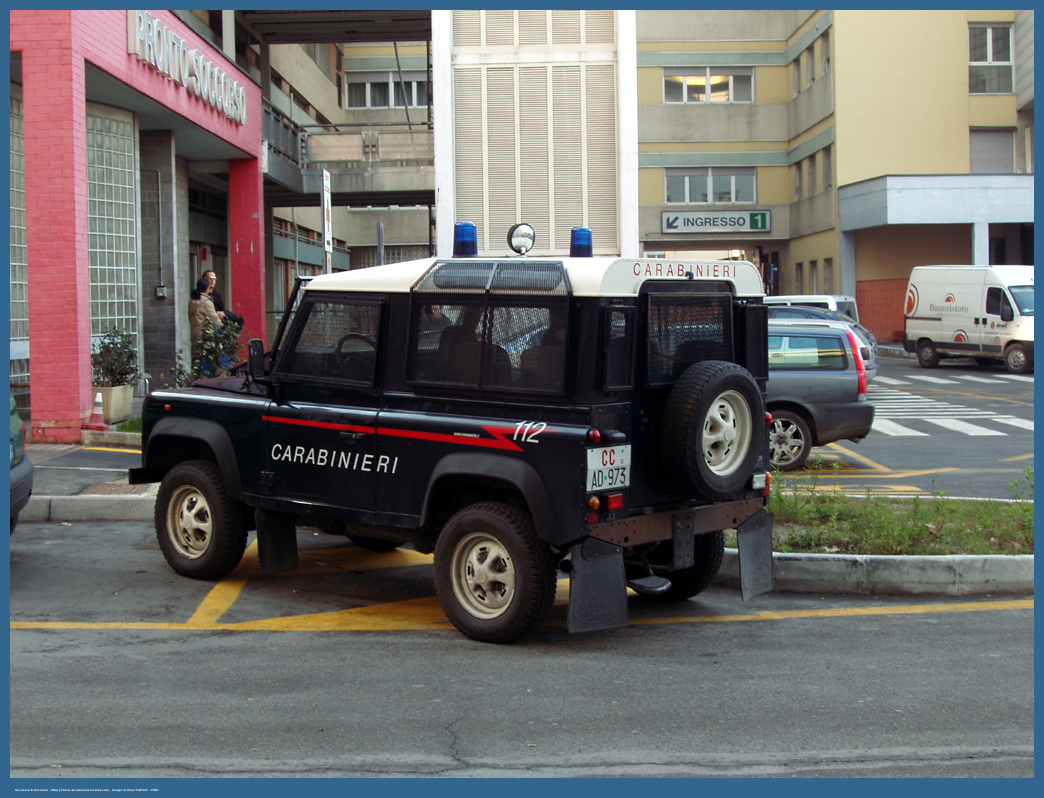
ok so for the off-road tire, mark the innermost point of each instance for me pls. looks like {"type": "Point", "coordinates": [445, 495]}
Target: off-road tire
{"type": "Point", "coordinates": [478, 544]}
{"type": "Point", "coordinates": [374, 544]}
{"type": "Point", "coordinates": [200, 528]}
{"type": "Point", "coordinates": [790, 440]}
{"type": "Point", "coordinates": [709, 551]}
{"type": "Point", "coordinates": [709, 433]}
{"type": "Point", "coordinates": [927, 354]}
{"type": "Point", "coordinates": [1017, 359]}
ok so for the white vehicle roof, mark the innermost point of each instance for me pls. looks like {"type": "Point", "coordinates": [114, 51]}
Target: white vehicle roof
{"type": "Point", "coordinates": [612, 277]}
{"type": "Point", "coordinates": [1009, 274]}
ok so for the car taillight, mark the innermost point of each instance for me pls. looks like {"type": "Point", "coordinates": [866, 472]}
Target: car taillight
{"type": "Point", "coordinates": [860, 364]}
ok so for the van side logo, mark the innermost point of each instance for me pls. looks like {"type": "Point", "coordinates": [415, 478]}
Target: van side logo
{"type": "Point", "coordinates": [949, 298]}
{"type": "Point", "coordinates": [911, 300]}
{"type": "Point", "coordinates": [960, 337]}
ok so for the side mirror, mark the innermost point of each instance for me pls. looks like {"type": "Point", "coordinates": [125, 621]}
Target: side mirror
{"type": "Point", "coordinates": [1007, 313]}
{"type": "Point", "coordinates": [256, 358]}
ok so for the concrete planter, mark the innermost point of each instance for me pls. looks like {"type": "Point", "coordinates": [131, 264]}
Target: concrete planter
{"type": "Point", "coordinates": [117, 402]}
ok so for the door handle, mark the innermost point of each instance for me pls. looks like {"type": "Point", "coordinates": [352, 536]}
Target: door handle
{"type": "Point", "coordinates": [351, 436]}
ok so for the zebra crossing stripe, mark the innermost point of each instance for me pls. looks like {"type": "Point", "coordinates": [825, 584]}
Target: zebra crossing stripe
{"type": "Point", "coordinates": [887, 427]}
{"type": "Point", "coordinates": [1021, 423]}
{"type": "Point", "coordinates": [936, 380]}
{"type": "Point", "coordinates": [980, 379]}
{"type": "Point", "coordinates": [956, 425]}
{"type": "Point", "coordinates": [1019, 377]}
{"type": "Point", "coordinates": [889, 381]}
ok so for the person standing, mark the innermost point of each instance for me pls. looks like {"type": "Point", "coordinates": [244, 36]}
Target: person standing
{"type": "Point", "coordinates": [219, 302]}
{"type": "Point", "coordinates": [202, 313]}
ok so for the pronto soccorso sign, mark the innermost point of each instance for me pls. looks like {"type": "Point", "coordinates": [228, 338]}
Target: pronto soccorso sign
{"type": "Point", "coordinates": [171, 56]}
{"type": "Point", "coordinates": [716, 221]}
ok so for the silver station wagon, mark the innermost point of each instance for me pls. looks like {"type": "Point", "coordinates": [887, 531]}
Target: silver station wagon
{"type": "Point", "coordinates": [816, 389]}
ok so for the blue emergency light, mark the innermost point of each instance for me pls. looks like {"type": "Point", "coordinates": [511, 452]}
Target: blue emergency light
{"type": "Point", "coordinates": [465, 240]}
{"type": "Point", "coordinates": [580, 243]}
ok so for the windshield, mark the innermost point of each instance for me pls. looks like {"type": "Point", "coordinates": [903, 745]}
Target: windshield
{"type": "Point", "coordinates": [1023, 296]}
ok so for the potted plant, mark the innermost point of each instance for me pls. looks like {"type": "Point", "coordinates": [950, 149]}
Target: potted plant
{"type": "Point", "coordinates": [115, 368]}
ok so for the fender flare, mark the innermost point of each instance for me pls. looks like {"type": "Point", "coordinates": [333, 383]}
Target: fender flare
{"type": "Point", "coordinates": [207, 432]}
{"type": "Point", "coordinates": [517, 473]}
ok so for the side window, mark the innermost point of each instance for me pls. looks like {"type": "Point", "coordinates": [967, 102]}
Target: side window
{"type": "Point", "coordinates": [790, 314]}
{"type": "Point", "coordinates": [337, 341]}
{"type": "Point", "coordinates": [994, 298]}
{"type": "Point", "coordinates": [619, 350]}
{"type": "Point", "coordinates": [512, 342]}
{"type": "Point", "coordinates": [799, 352]}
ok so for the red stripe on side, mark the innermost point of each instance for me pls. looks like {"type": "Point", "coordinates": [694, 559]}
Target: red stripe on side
{"type": "Point", "coordinates": [497, 442]}
{"type": "Point", "coordinates": [319, 424]}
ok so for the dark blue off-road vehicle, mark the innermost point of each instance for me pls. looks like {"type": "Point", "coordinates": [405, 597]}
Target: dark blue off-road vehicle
{"type": "Point", "coordinates": [521, 417]}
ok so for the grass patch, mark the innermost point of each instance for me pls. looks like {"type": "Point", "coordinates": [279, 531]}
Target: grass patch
{"type": "Point", "coordinates": [813, 521]}
{"type": "Point", "coordinates": [130, 425]}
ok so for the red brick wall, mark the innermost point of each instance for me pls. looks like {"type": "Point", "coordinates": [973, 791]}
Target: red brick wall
{"type": "Point", "coordinates": [881, 307]}
{"type": "Point", "coordinates": [55, 46]}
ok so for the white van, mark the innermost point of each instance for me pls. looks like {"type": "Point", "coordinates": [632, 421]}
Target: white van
{"type": "Point", "coordinates": [984, 312]}
{"type": "Point", "coordinates": [844, 304]}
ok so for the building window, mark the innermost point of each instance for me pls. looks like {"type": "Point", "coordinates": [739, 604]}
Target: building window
{"type": "Point", "coordinates": [824, 50]}
{"type": "Point", "coordinates": [711, 185]}
{"type": "Point", "coordinates": [810, 66]}
{"type": "Point", "coordinates": [795, 72]}
{"type": "Point", "coordinates": [377, 91]}
{"type": "Point", "coordinates": [798, 167]}
{"type": "Point", "coordinates": [989, 56]}
{"type": "Point", "coordinates": [709, 85]}
{"type": "Point", "coordinates": [828, 275]}
{"type": "Point", "coordinates": [813, 276]}
{"type": "Point", "coordinates": [799, 278]}
{"type": "Point", "coordinates": [828, 168]}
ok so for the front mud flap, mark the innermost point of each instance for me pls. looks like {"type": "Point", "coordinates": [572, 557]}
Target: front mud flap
{"type": "Point", "coordinates": [754, 541]}
{"type": "Point", "coordinates": [597, 587]}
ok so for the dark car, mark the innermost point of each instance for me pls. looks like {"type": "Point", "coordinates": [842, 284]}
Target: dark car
{"type": "Point", "coordinates": [599, 417]}
{"type": "Point", "coordinates": [816, 389]}
{"type": "Point", "coordinates": [21, 466]}
{"type": "Point", "coordinates": [867, 338]}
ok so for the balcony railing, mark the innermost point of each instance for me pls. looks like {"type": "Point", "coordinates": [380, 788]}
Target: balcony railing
{"type": "Point", "coordinates": [283, 136]}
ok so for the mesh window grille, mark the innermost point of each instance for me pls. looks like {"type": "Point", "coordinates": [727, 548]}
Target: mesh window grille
{"type": "Point", "coordinates": [338, 342]}
{"type": "Point", "coordinates": [19, 271]}
{"type": "Point", "coordinates": [684, 330]}
{"type": "Point", "coordinates": [490, 326]}
{"type": "Point", "coordinates": [112, 224]}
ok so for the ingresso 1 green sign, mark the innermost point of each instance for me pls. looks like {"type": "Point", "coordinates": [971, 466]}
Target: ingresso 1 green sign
{"type": "Point", "coordinates": [716, 221]}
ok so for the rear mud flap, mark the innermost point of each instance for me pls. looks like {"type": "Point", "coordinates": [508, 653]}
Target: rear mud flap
{"type": "Point", "coordinates": [597, 587]}
{"type": "Point", "coordinates": [754, 541]}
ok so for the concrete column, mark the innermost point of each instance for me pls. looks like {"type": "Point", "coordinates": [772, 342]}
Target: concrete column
{"type": "Point", "coordinates": [847, 266]}
{"type": "Point", "coordinates": [228, 34]}
{"type": "Point", "coordinates": [980, 254]}
{"type": "Point", "coordinates": [159, 253]}
{"type": "Point", "coordinates": [246, 244]}
{"type": "Point", "coordinates": [266, 72]}
{"type": "Point", "coordinates": [627, 138]}
{"type": "Point", "coordinates": [54, 107]}
{"type": "Point", "coordinates": [442, 118]}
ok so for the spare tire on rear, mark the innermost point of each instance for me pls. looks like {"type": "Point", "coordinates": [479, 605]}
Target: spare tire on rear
{"type": "Point", "coordinates": [708, 444]}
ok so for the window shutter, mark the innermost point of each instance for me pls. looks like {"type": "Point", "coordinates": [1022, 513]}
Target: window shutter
{"type": "Point", "coordinates": [500, 28]}
{"type": "Point", "coordinates": [502, 153]}
{"type": "Point", "coordinates": [467, 28]}
{"type": "Point", "coordinates": [600, 27]}
{"type": "Point", "coordinates": [565, 27]}
{"type": "Point", "coordinates": [467, 133]}
{"type": "Point", "coordinates": [992, 152]}
{"type": "Point", "coordinates": [532, 27]}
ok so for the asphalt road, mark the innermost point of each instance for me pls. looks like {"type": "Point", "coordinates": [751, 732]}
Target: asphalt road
{"type": "Point", "coordinates": [958, 430]}
{"type": "Point", "coordinates": [346, 667]}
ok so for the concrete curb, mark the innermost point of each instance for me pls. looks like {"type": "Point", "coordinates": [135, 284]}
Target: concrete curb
{"type": "Point", "coordinates": [89, 508]}
{"type": "Point", "coordinates": [946, 575]}
{"type": "Point", "coordinates": [950, 575]}
{"type": "Point", "coordinates": [124, 440]}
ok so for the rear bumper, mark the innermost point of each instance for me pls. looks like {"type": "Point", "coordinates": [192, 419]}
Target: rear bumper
{"type": "Point", "coordinates": [843, 420]}
{"type": "Point", "coordinates": [21, 485]}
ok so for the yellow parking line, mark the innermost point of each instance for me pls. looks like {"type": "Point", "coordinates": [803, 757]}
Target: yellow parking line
{"type": "Point", "coordinates": [425, 613]}
{"type": "Point", "coordinates": [859, 458]}
{"type": "Point", "coordinates": [1020, 457]}
{"type": "Point", "coordinates": [110, 449]}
